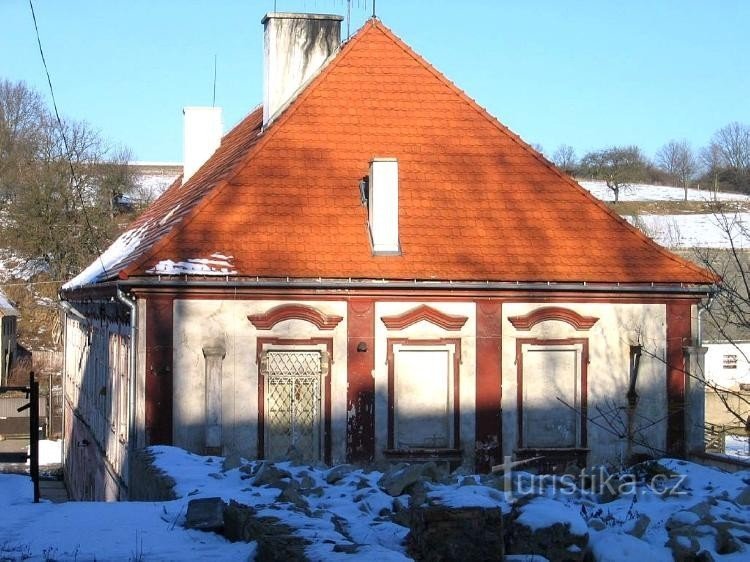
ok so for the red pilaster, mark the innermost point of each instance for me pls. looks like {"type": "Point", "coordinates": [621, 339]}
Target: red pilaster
{"type": "Point", "coordinates": [679, 332]}
{"type": "Point", "coordinates": [360, 396]}
{"type": "Point", "coordinates": [158, 410]}
{"type": "Point", "coordinates": [488, 384]}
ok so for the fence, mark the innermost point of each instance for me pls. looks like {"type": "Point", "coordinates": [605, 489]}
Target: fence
{"type": "Point", "coordinates": [32, 395]}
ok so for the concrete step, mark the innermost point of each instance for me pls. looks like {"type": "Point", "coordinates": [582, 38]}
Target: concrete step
{"type": "Point", "coordinates": [53, 490]}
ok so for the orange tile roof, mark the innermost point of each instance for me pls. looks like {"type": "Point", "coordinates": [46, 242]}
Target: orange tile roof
{"type": "Point", "coordinates": [475, 202]}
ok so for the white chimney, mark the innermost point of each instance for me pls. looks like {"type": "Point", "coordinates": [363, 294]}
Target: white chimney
{"type": "Point", "coordinates": [383, 205]}
{"type": "Point", "coordinates": [295, 47]}
{"type": "Point", "coordinates": [201, 137]}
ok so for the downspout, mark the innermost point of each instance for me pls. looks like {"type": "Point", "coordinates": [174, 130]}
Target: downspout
{"type": "Point", "coordinates": [130, 303]}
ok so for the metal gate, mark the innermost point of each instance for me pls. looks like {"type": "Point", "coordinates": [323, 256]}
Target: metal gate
{"type": "Point", "coordinates": [293, 404]}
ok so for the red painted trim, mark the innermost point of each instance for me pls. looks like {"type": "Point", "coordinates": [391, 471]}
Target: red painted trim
{"type": "Point", "coordinates": [679, 332]}
{"type": "Point", "coordinates": [390, 342]}
{"type": "Point", "coordinates": [528, 321]}
{"type": "Point", "coordinates": [422, 294]}
{"type": "Point", "coordinates": [584, 343]}
{"type": "Point", "coordinates": [360, 393]}
{"type": "Point", "coordinates": [265, 344]}
{"type": "Point", "coordinates": [424, 312]}
{"type": "Point", "coordinates": [270, 318]}
{"type": "Point", "coordinates": [489, 432]}
{"type": "Point", "coordinates": [158, 377]}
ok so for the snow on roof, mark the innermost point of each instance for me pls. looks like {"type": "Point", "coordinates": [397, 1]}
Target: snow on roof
{"type": "Point", "coordinates": [6, 307]}
{"type": "Point", "coordinates": [100, 268]}
{"type": "Point", "coordinates": [218, 264]}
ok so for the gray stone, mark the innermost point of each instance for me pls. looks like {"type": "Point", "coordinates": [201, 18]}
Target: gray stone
{"type": "Point", "coordinates": [205, 514]}
{"type": "Point", "coordinates": [397, 480]}
{"type": "Point", "coordinates": [276, 541]}
{"type": "Point", "coordinates": [306, 482]}
{"type": "Point", "coordinates": [440, 533]}
{"type": "Point", "coordinates": [339, 472]}
{"type": "Point", "coordinates": [269, 475]}
{"type": "Point", "coordinates": [743, 498]}
{"type": "Point", "coordinates": [596, 524]}
{"type": "Point", "coordinates": [290, 494]}
{"type": "Point", "coordinates": [468, 481]}
{"type": "Point", "coordinates": [556, 542]}
{"type": "Point", "coordinates": [418, 492]}
{"type": "Point", "coordinates": [684, 549]}
{"type": "Point", "coordinates": [231, 461]}
{"type": "Point", "coordinates": [639, 526]}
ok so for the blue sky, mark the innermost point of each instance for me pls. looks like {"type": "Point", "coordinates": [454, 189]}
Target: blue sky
{"type": "Point", "coordinates": [585, 73]}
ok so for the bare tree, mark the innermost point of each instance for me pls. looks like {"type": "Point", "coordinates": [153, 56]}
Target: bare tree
{"type": "Point", "coordinates": [565, 158]}
{"type": "Point", "coordinates": [712, 163]}
{"type": "Point", "coordinates": [676, 158]}
{"type": "Point", "coordinates": [733, 142]}
{"type": "Point", "coordinates": [57, 184]}
{"type": "Point", "coordinates": [618, 166]}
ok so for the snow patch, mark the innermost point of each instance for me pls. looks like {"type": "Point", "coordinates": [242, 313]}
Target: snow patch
{"type": "Point", "coordinates": [120, 249]}
{"type": "Point", "coordinates": [217, 264]}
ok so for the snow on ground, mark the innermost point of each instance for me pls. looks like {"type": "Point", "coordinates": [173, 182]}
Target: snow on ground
{"type": "Point", "coordinates": [345, 506]}
{"type": "Point", "coordinates": [696, 230]}
{"type": "Point", "coordinates": [645, 192]}
{"type": "Point", "coordinates": [737, 446]}
{"type": "Point", "coordinates": [50, 452]}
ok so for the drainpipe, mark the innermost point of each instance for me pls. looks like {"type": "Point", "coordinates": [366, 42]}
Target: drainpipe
{"type": "Point", "coordinates": [130, 303]}
{"type": "Point", "coordinates": [701, 309]}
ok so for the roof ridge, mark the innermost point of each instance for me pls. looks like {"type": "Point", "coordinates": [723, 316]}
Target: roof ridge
{"type": "Point", "coordinates": [534, 153]}
{"type": "Point", "coordinates": [239, 163]}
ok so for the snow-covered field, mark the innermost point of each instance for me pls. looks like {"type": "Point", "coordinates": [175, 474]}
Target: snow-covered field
{"type": "Point", "coordinates": [696, 230]}
{"type": "Point", "coordinates": [645, 192]}
{"type": "Point", "coordinates": [345, 506]}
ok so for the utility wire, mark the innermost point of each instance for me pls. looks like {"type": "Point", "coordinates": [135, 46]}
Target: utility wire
{"type": "Point", "coordinates": [76, 181]}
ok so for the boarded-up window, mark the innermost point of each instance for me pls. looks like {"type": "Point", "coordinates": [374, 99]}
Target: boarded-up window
{"type": "Point", "coordinates": [423, 397]}
{"type": "Point", "coordinates": [551, 396]}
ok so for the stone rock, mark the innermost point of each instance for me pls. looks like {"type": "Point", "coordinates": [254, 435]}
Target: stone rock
{"type": "Point", "coordinates": [205, 514]}
{"type": "Point", "coordinates": [397, 480]}
{"type": "Point", "coordinates": [468, 481]}
{"type": "Point", "coordinates": [276, 541]}
{"type": "Point", "coordinates": [440, 533]}
{"type": "Point", "coordinates": [418, 493]}
{"type": "Point", "coordinates": [684, 549]}
{"type": "Point", "coordinates": [564, 538]}
{"type": "Point", "coordinates": [231, 461]}
{"type": "Point", "coordinates": [307, 482]}
{"type": "Point", "coordinates": [639, 526]}
{"type": "Point", "coordinates": [596, 524]}
{"type": "Point", "coordinates": [290, 494]}
{"type": "Point", "coordinates": [269, 475]}
{"type": "Point", "coordinates": [743, 498]}
{"type": "Point", "coordinates": [338, 472]}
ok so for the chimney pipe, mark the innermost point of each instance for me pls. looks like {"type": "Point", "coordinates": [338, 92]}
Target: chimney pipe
{"type": "Point", "coordinates": [201, 138]}
{"type": "Point", "coordinates": [383, 206]}
{"type": "Point", "coordinates": [296, 47]}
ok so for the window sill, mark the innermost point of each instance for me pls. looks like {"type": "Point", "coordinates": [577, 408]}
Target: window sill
{"type": "Point", "coordinates": [426, 454]}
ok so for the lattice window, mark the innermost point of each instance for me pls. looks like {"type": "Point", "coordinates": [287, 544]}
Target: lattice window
{"type": "Point", "coordinates": [293, 403]}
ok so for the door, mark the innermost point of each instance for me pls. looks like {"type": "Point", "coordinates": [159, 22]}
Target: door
{"type": "Point", "coordinates": [293, 396]}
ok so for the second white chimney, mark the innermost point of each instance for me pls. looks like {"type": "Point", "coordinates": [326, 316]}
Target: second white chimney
{"type": "Point", "coordinates": [383, 206]}
{"type": "Point", "coordinates": [201, 137]}
{"type": "Point", "coordinates": [296, 47]}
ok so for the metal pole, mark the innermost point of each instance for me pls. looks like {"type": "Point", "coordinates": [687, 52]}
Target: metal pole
{"type": "Point", "coordinates": [34, 434]}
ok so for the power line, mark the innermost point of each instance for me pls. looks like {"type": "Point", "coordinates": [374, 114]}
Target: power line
{"type": "Point", "coordinates": [76, 182]}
